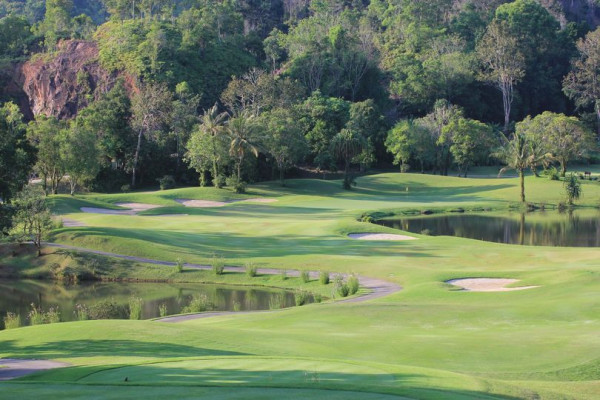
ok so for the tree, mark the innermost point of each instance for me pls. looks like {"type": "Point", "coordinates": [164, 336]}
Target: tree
{"type": "Point", "coordinates": [57, 21]}
{"type": "Point", "coordinates": [346, 145]}
{"type": "Point", "coordinates": [241, 130]}
{"type": "Point", "coordinates": [568, 139]}
{"type": "Point", "coordinates": [503, 63]}
{"type": "Point", "coordinates": [470, 139]}
{"type": "Point", "coordinates": [80, 154]}
{"type": "Point", "coordinates": [442, 115]}
{"type": "Point", "coordinates": [515, 154]}
{"type": "Point", "coordinates": [206, 147]}
{"type": "Point", "coordinates": [582, 84]}
{"type": "Point", "coordinates": [410, 139]}
{"type": "Point", "coordinates": [184, 117]}
{"type": "Point", "coordinates": [16, 154]}
{"type": "Point", "coordinates": [46, 134]}
{"type": "Point", "coordinates": [284, 139]}
{"type": "Point", "coordinates": [535, 130]}
{"type": "Point", "coordinates": [32, 218]}
{"type": "Point", "coordinates": [151, 109]}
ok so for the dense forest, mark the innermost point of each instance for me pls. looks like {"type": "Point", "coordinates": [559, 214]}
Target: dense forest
{"type": "Point", "coordinates": [116, 94]}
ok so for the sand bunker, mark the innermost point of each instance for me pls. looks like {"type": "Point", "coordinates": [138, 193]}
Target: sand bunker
{"type": "Point", "coordinates": [71, 223]}
{"type": "Point", "coordinates": [379, 236]}
{"type": "Point", "coordinates": [487, 284]}
{"type": "Point", "coordinates": [209, 203]}
{"type": "Point", "coordinates": [133, 209]}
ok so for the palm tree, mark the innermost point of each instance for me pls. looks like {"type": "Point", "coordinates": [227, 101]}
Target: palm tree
{"type": "Point", "coordinates": [346, 145]}
{"type": "Point", "coordinates": [212, 123]}
{"type": "Point", "coordinates": [242, 133]}
{"type": "Point", "coordinates": [516, 155]}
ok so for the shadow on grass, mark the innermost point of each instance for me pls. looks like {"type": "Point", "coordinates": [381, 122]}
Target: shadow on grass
{"type": "Point", "coordinates": [117, 348]}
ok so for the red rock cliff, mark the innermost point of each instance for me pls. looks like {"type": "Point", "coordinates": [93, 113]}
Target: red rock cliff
{"type": "Point", "coordinates": [63, 83]}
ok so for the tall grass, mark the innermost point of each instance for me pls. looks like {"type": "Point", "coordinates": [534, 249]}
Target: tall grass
{"type": "Point", "coordinates": [199, 303]}
{"type": "Point", "coordinates": [135, 307]}
{"type": "Point", "coordinates": [304, 276]}
{"type": "Point", "coordinates": [162, 310]}
{"type": "Point", "coordinates": [12, 321]}
{"type": "Point", "coordinates": [37, 316]}
{"type": "Point", "coordinates": [179, 263]}
{"type": "Point", "coordinates": [324, 277]}
{"type": "Point", "coordinates": [251, 270]}
{"type": "Point", "coordinates": [82, 312]}
{"type": "Point", "coordinates": [353, 284]}
{"type": "Point", "coordinates": [301, 297]}
{"type": "Point", "coordinates": [276, 301]}
{"type": "Point", "coordinates": [218, 265]}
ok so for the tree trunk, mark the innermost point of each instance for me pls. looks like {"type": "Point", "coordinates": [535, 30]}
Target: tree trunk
{"type": "Point", "coordinates": [281, 175]}
{"type": "Point", "coordinates": [136, 157]}
{"type": "Point", "coordinates": [563, 167]}
{"type": "Point", "coordinates": [522, 178]}
{"type": "Point", "coordinates": [73, 185]}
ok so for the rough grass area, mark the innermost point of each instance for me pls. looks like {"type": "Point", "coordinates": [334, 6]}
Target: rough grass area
{"type": "Point", "coordinates": [429, 341]}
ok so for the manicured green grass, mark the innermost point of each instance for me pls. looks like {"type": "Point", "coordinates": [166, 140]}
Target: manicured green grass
{"type": "Point", "coordinates": [428, 341]}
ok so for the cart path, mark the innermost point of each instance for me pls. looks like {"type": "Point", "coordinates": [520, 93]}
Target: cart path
{"type": "Point", "coordinates": [11, 368]}
{"type": "Point", "coordinates": [376, 288]}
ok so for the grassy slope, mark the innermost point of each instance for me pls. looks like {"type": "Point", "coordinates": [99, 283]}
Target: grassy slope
{"type": "Point", "coordinates": [428, 341]}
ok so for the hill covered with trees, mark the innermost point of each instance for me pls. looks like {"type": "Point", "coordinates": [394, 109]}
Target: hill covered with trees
{"type": "Point", "coordinates": [119, 94]}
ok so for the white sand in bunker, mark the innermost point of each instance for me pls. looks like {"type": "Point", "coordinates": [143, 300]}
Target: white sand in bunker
{"type": "Point", "coordinates": [379, 236]}
{"type": "Point", "coordinates": [210, 203]}
{"type": "Point", "coordinates": [132, 209]}
{"type": "Point", "coordinates": [487, 284]}
{"type": "Point", "coordinates": [71, 223]}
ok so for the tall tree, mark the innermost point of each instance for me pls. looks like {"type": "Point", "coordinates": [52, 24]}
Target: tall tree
{"type": "Point", "coordinates": [346, 145]}
{"type": "Point", "coordinates": [582, 84]}
{"type": "Point", "coordinates": [515, 154]}
{"type": "Point", "coordinates": [184, 118]}
{"type": "Point", "coordinates": [243, 140]}
{"type": "Point", "coordinates": [470, 139]}
{"type": "Point", "coordinates": [207, 145]}
{"type": "Point", "coordinates": [503, 63]}
{"type": "Point", "coordinates": [151, 109]}
{"type": "Point", "coordinates": [81, 155]}
{"type": "Point", "coordinates": [46, 134]}
{"type": "Point", "coordinates": [32, 219]}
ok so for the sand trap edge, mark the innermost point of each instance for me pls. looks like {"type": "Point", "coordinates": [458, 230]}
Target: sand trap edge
{"type": "Point", "coordinates": [486, 284]}
{"type": "Point", "coordinates": [380, 236]}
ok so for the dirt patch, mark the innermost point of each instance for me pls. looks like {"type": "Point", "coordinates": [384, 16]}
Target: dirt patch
{"type": "Point", "coordinates": [132, 209]}
{"type": "Point", "coordinates": [487, 284]}
{"type": "Point", "coordinates": [379, 236]}
{"type": "Point", "coordinates": [12, 368]}
{"type": "Point", "coordinates": [210, 203]}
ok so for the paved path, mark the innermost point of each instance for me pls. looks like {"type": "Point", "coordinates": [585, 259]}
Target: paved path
{"type": "Point", "coordinates": [12, 368]}
{"type": "Point", "coordinates": [376, 287]}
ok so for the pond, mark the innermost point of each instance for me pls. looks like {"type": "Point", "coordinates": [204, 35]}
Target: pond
{"type": "Point", "coordinates": [111, 299]}
{"type": "Point", "coordinates": [549, 228]}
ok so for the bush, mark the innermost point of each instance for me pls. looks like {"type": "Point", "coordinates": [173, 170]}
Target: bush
{"type": "Point", "coordinates": [301, 298]}
{"type": "Point", "coordinates": [324, 277]}
{"type": "Point", "coordinates": [343, 290]}
{"type": "Point", "coordinates": [12, 321]}
{"type": "Point", "coordinates": [135, 307]}
{"type": "Point", "coordinates": [162, 310]}
{"type": "Point", "coordinates": [340, 287]}
{"type": "Point", "coordinates": [107, 309]}
{"type": "Point", "coordinates": [237, 306]}
{"type": "Point", "coordinates": [218, 265]}
{"type": "Point", "coordinates": [318, 298]}
{"type": "Point", "coordinates": [552, 174]}
{"type": "Point", "coordinates": [237, 185]}
{"type": "Point", "coordinates": [126, 188]}
{"type": "Point", "coordinates": [166, 182]}
{"type": "Point", "coordinates": [572, 188]}
{"type": "Point", "coordinates": [179, 264]}
{"type": "Point", "coordinates": [220, 181]}
{"type": "Point", "coordinates": [353, 284]}
{"type": "Point", "coordinates": [304, 276]}
{"type": "Point", "coordinates": [199, 303]}
{"type": "Point", "coordinates": [251, 270]}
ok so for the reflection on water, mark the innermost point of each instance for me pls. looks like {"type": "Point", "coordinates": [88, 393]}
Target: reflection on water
{"type": "Point", "coordinates": [572, 229]}
{"type": "Point", "coordinates": [17, 296]}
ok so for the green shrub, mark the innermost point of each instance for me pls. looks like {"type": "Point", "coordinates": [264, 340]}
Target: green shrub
{"type": "Point", "coordinates": [324, 278]}
{"type": "Point", "coordinates": [162, 310]}
{"type": "Point", "coordinates": [304, 276]}
{"type": "Point", "coordinates": [218, 265]}
{"type": "Point", "coordinates": [199, 303]}
{"type": "Point", "coordinates": [179, 264]}
{"type": "Point", "coordinates": [251, 270]}
{"type": "Point", "coordinates": [220, 181]}
{"type": "Point", "coordinates": [343, 290]}
{"type": "Point", "coordinates": [166, 182]}
{"type": "Point", "coordinates": [572, 188]}
{"type": "Point", "coordinates": [126, 188]}
{"type": "Point", "coordinates": [236, 306]}
{"type": "Point", "coordinates": [52, 316]}
{"type": "Point", "coordinates": [353, 284]}
{"type": "Point", "coordinates": [12, 321]}
{"type": "Point", "coordinates": [107, 309]}
{"type": "Point", "coordinates": [318, 298]}
{"type": "Point", "coordinates": [301, 298]}
{"type": "Point", "coordinates": [135, 307]}
{"type": "Point", "coordinates": [37, 316]}
{"type": "Point", "coordinates": [237, 185]}
{"type": "Point", "coordinates": [340, 287]}
{"type": "Point", "coordinates": [552, 174]}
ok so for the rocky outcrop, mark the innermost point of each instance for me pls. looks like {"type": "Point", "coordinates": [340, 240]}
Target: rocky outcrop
{"type": "Point", "coordinates": [63, 83]}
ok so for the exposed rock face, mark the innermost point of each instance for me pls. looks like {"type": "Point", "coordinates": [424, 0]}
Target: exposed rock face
{"type": "Point", "coordinates": [67, 82]}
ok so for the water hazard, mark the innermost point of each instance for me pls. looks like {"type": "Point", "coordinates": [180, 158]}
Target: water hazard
{"type": "Point", "coordinates": [550, 228]}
